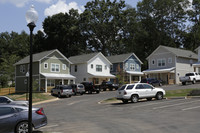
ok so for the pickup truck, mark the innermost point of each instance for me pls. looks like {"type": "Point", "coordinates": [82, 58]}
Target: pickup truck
{"type": "Point", "coordinates": [190, 77]}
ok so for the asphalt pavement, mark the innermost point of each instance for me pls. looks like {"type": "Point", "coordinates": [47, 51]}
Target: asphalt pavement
{"type": "Point", "coordinates": [85, 114]}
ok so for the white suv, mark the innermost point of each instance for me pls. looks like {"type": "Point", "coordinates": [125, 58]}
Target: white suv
{"type": "Point", "coordinates": [137, 91]}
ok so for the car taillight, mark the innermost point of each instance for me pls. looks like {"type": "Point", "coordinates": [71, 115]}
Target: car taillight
{"type": "Point", "coordinates": [40, 111]}
{"type": "Point", "coordinates": [125, 92]}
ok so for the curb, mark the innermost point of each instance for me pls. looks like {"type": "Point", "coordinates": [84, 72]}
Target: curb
{"type": "Point", "coordinates": [46, 101]}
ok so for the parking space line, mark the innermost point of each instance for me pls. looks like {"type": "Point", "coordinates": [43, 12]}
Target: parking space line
{"type": "Point", "coordinates": [50, 126]}
{"type": "Point", "coordinates": [175, 104]}
{"type": "Point", "coordinates": [190, 108]}
{"type": "Point", "coordinates": [157, 103]}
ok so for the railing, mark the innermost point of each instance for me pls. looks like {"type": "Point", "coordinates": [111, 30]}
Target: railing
{"type": "Point", "coordinates": [6, 91]}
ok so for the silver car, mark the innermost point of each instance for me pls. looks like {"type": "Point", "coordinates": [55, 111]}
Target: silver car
{"type": "Point", "coordinates": [5, 99]}
{"type": "Point", "coordinates": [14, 118]}
{"type": "Point", "coordinates": [62, 90]}
{"type": "Point", "coordinates": [78, 89]}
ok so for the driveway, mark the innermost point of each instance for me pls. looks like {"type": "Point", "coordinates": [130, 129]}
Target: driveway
{"type": "Point", "coordinates": [83, 114]}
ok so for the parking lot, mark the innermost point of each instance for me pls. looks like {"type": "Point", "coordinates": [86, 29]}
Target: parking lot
{"type": "Point", "coordinates": [85, 114]}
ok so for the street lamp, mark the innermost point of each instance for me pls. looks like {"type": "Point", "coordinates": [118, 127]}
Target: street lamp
{"type": "Point", "coordinates": [31, 18]}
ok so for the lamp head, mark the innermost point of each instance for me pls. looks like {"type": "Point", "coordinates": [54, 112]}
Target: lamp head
{"type": "Point", "coordinates": [31, 15]}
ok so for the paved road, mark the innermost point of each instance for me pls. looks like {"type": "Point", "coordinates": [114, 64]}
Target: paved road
{"type": "Point", "coordinates": [83, 114]}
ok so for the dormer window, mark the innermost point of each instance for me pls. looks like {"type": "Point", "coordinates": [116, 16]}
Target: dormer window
{"type": "Point", "coordinates": [45, 65]}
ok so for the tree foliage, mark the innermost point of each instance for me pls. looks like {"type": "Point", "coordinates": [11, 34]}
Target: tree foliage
{"type": "Point", "coordinates": [110, 27]}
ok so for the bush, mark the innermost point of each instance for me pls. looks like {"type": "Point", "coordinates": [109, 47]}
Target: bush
{"type": "Point", "coordinates": [194, 93]}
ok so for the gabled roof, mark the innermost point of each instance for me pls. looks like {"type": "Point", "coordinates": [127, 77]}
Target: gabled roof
{"type": "Point", "coordinates": [178, 52]}
{"type": "Point", "coordinates": [85, 58]}
{"type": "Point", "coordinates": [121, 58]}
{"type": "Point", "coordinates": [39, 56]}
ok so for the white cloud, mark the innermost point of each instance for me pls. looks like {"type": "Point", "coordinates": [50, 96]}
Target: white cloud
{"type": "Point", "coordinates": [17, 3]}
{"type": "Point", "coordinates": [22, 3]}
{"type": "Point", "coordinates": [44, 1]}
{"type": "Point", "coordinates": [62, 6]}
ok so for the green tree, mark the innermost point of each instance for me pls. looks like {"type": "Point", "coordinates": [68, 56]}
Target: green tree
{"type": "Point", "coordinates": [105, 25]}
{"type": "Point", "coordinates": [62, 32]}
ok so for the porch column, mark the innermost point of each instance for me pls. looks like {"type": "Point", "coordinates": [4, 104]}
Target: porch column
{"type": "Point", "coordinates": [62, 82]}
{"type": "Point", "coordinates": [139, 78]}
{"type": "Point", "coordinates": [46, 85]}
{"type": "Point", "coordinates": [68, 81]}
{"type": "Point", "coordinates": [168, 75]}
{"type": "Point", "coordinates": [194, 69]}
{"type": "Point", "coordinates": [130, 78]}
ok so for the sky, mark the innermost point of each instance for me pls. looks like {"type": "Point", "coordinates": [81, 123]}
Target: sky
{"type": "Point", "coordinates": [12, 12]}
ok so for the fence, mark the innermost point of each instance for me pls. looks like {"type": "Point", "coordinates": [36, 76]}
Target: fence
{"type": "Point", "coordinates": [6, 91]}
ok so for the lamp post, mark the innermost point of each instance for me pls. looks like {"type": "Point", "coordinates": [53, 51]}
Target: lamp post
{"type": "Point", "coordinates": [31, 18]}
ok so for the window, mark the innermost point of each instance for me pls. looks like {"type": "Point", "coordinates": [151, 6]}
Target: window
{"type": "Point", "coordinates": [111, 67]}
{"type": "Point", "coordinates": [64, 67]}
{"type": "Point", "coordinates": [99, 68]}
{"type": "Point", "coordinates": [75, 68]}
{"type": "Point", "coordinates": [129, 87]}
{"type": "Point", "coordinates": [3, 100]}
{"type": "Point", "coordinates": [140, 86]}
{"type": "Point", "coordinates": [169, 60]}
{"type": "Point", "coordinates": [153, 62]}
{"type": "Point", "coordinates": [84, 79]}
{"type": "Point", "coordinates": [146, 86]}
{"type": "Point", "coordinates": [126, 65]}
{"type": "Point", "coordinates": [132, 66]}
{"type": "Point", "coordinates": [105, 67]}
{"type": "Point", "coordinates": [50, 82]}
{"type": "Point", "coordinates": [161, 62]}
{"type": "Point", "coordinates": [45, 65]}
{"type": "Point", "coordinates": [55, 67]}
{"type": "Point", "coordinates": [92, 66]}
{"type": "Point", "coordinates": [22, 68]}
{"type": "Point", "coordinates": [6, 111]}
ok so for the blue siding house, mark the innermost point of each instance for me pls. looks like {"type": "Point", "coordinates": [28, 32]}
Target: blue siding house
{"type": "Point", "coordinates": [126, 65]}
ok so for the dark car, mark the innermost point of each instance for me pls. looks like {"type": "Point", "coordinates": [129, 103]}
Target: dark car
{"type": "Point", "coordinates": [62, 90]}
{"type": "Point", "coordinates": [152, 81]}
{"type": "Point", "coordinates": [108, 84]}
{"type": "Point", "coordinates": [7, 100]}
{"type": "Point", "coordinates": [90, 87]}
{"type": "Point", "coordinates": [78, 89]}
{"type": "Point", "coordinates": [14, 118]}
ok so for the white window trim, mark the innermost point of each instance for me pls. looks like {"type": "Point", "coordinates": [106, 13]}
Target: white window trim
{"type": "Point", "coordinates": [55, 67]}
{"type": "Point", "coordinates": [170, 60]}
{"type": "Point", "coordinates": [132, 66]}
{"type": "Point", "coordinates": [45, 64]}
{"type": "Point", "coordinates": [22, 68]}
{"type": "Point", "coordinates": [161, 62]}
{"type": "Point", "coordinates": [153, 60]}
{"type": "Point", "coordinates": [105, 67]}
{"type": "Point", "coordinates": [64, 66]}
{"type": "Point", "coordinates": [126, 65]}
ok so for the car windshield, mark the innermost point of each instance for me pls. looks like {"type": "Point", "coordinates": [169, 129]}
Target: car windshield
{"type": "Point", "coordinates": [122, 87]}
{"type": "Point", "coordinates": [189, 74]}
{"type": "Point", "coordinates": [66, 88]}
{"type": "Point", "coordinates": [80, 86]}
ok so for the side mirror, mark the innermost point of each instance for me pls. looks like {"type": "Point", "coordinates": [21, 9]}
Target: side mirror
{"type": "Point", "coordinates": [8, 101]}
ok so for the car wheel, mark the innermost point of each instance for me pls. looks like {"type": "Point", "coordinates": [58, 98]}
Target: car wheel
{"type": "Point", "coordinates": [97, 92]}
{"type": "Point", "coordinates": [194, 81]}
{"type": "Point", "coordinates": [149, 99]}
{"type": "Point", "coordinates": [125, 101]}
{"type": "Point", "coordinates": [81, 93]}
{"type": "Point", "coordinates": [183, 83]}
{"type": "Point", "coordinates": [159, 96]}
{"type": "Point", "coordinates": [134, 98]}
{"type": "Point", "coordinates": [160, 84]}
{"type": "Point", "coordinates": [22, 127]}
{"type": "Point", "coordinates": [52, 93]}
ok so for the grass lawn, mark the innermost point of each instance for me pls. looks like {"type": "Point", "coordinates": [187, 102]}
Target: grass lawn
{"type": "Point", "coordinates": [169, 94]}
{"type": "Point", "coordinates": [36, 97]}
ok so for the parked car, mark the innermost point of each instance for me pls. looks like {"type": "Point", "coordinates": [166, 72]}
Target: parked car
{"type": "Point", "coordinates": [190, 77]}
{"type": "Point", "coordinates": [78, 88]}
{"type": "Point", "coordinates": [108, 84]}
{"type": "Point", "coordinates": [62, 90]}
{"type": "Point", "coordinates": [134, 92]}
{"type": "Point", "coordinates": [14, 118]}
{"type": "Point", "coordinates": [7, 100]}
{"type": "Point", "coordinates": [90, 87]}
{"type": "Point", "coordinates": [152, 81]}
